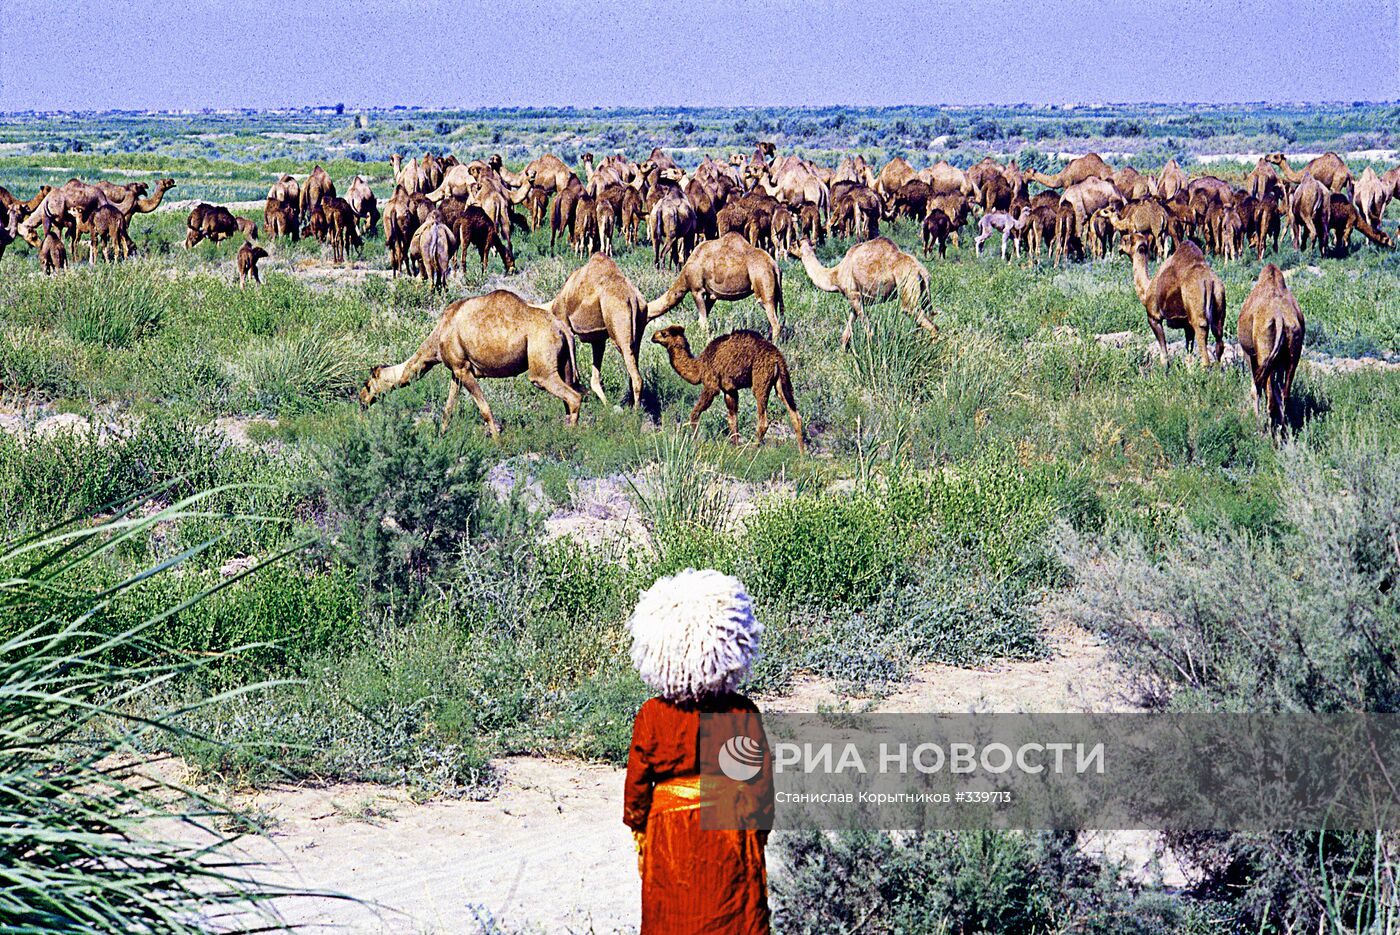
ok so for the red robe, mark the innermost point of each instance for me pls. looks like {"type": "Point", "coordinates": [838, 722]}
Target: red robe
{"type": "Point", "coordinates": [694, 881]}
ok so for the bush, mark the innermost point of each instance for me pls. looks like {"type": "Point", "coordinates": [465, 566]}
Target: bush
{"type": "Point", "coordinates": [282, 374]}
{"type": "Point", "coordinates": [1307, 621]}
{"type": "Point", "coordinates": [404, 500]}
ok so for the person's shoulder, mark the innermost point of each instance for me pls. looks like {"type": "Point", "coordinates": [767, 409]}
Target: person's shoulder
{"type": "Point", "coordinates": [738, 702]}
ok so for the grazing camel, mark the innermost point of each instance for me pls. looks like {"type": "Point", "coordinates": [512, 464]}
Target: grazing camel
{"type": "Point", "coordinates": [1343, 218]}
{"type": "Point", "coordinates": [216, 223]}
{"type": "Point", "coordinates": [52, 256]}
{"type": "Point", "coordinates": [1184, 294]}
{"type": "Point", "coordinates": [1040, 230]}
{"type": "Point", "coordinates": [598, 302]}
{"type": "Point", "coordinates": [1271, 331]}
{"type": "Point", "coordinates": [1009, 227]}
{"type": "Point", "coordinates": [248, 256]}
{"type": "Point", "coordinates": [18, 206]}
{"type": "Point", "coordinates": [729, 363]}
{"type": "Point", "coordinates": [400, 223]}
{"type": "Point", "coordinates": [317, 188]}
{"type": "Point", "coordinates": [494, 335]}
{"type": "Point", "coordinates": [874, 271]}
{"type": "Point", "coordinates": [1146, 217]}
{"type": "Point", "coordinates": [342, 227]}
{"type": "Point", "coordinates": [281, 220]}
{"type": "Point", "coordinates": [1090, 166]}
{"type": "Point", "coordinates": [472, 226]}
{"type": "Point", "coordinates": [1329, 169]}
{"type": "Point", "coordinates": [894, 176]}
{"type": "Point", "coordinates": [1310, 214]}
{"type": "Point", "coordinates": [730, 269]}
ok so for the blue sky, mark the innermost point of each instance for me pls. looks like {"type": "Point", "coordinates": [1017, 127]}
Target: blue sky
{"type": "Point", "coordinates": [368, 53]}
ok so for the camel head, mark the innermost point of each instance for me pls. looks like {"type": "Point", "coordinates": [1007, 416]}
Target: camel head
{"type": "Point", "coordinates": [257, 253]}
{"type": "Point", "coordinates": [496, 162]}
{"type": "Point", "coordinates": [1274, 158]}
{"type": "Point", "coordinates": [737, 159]}
{"type": "Point", "coordinates": [165, 185]}
{"type": "Point", "coordinates": [373, 387]}
{"type": "Point", "coordinates": [671, 336]}
{"type": "Point", "coordinates": [1134, 245]}
{"type": "Point", "coordinates": [586, 159]}
{"type": "Point", "coordinates": [530, 173]}
{"type": "Point", "coordinates": [249, 228]}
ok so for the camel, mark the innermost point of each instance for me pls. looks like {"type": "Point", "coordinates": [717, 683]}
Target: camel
{"type": "Point", "coordinates": [1090, 166]}
{"type": "Point", "coordinates": [1185, 293]}
{"type": "Point", "coordinates": [986, 172]}
{"type": "Point", "coordinates": [585, 241]}
{"type": "Point", "coordinates": [562, 213]}
{"type": "Point", "coordinates": [286, 190]}
{"type": "Point", "coordinates": [343, 227]}
{"type": "Point", "coordinates": [68, 207]}
{"type": "Point", "coordinates": [108, 224]}
{"type": "Point", "coordinates": [317, 188]}
{"type": "Point", "coordinates": [1372, 196]}
{"type": "Point", "coordinates": [361, 200]}
{"type": "Point", "coordinates": [52, 256]}
{"type": "Point", "coordinates": [855, 211]}
{"type": "Point", "coordinates": [409, 175]}
{"type": "Point", "coordinates": [548, 171]}
{"type": "Point", "coordinates": [943, 178]}
{"type": "Point", "coordinates": [1310, 213]}
{"type": "Point", "coordinates": [671, 227]}
{"type": "Point", "coordinates": [896, 173]}
{"type": "Point", "coordinates": [432, 248]}
{"type": "Point", "coordinates": [911, 200]}
{"type": "Point", "coordinates": [146, 205]}
{"type": "Point", "coordinates": [936, 229]}
{"type": "Point", "coordinates": [400, 224]}
{"type": "Point", "coordinates": [10, 232]}
{"type": "Point", "coordinates": [871, 271]}
{"type": "Point", "coordinates": [1329, 169]}
{"type": "Point", "coordinates": [1264, 180]}
{"type": "Point", "coordinates": [1271, 331]}
{"type": "Point", "coordinates": [1009, 227]}
{"type": "Point", "coordinates": [494, 335]}
{"type": "Point", "coordinates": [1170, 180]}
{"type": "Point", "coordinates": [280, 220]}
{"type": "Point", "coordinates": [248, 256]}
{"type": "Point", "coordinates": [730, 269]}
{"type": "Point", "coordinates": [1343, 218]}
{"type": "Point", "coordinates": [599, 303]}
{"type": "Point", "coordinates": [1040, 230]}
{"type": "Point", "coordinates": [1261, 220]}
{"type": "Point", "coordinates": [216, 223]}
{"type": "Point", "coordinates": [1146, 217]}
{"type": "Point", "coordinates": [1088, 198]}
{"type": "Point", "coordinates": [729, 363]}
{"type": "Point", "coordinates": [471, 226]}
{"type": "Point", "coordinates": [1131, 184]}
{"type": "Point", "coordinates": [20, 207]}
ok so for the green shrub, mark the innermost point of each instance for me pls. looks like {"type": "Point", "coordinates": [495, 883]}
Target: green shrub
{"type": "Point", "coordinates": [281, 374]}
{"type": "Point", "coordinates": [825, 550]}
{"type": "Point", "coordinates": [404, 499]}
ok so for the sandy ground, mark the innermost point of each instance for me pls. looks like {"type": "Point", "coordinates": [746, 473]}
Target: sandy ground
{"type": "Point", "coordinates": [550, 851]}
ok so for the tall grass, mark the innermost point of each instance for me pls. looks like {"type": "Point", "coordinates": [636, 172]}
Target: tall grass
{"type": "Point", "coordinates": [87, 829]}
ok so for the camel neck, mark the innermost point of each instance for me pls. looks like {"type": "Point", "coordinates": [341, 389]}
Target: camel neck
{"type": "Point", "coordinates": [684, 363]}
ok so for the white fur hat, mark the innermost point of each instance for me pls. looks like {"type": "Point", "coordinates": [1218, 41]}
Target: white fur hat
{"type": "Point", "coordinates": [694, 634]}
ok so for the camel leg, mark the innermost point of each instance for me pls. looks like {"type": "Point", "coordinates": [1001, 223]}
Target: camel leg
{"type": "Point", "coordinates": [731, 402]}
{"type": "Point", "coordinates": [630, 353]}
{"type": "Point", "coordinates": [470, 384]}
{"type": "Point", "coordinates": [702, 308]}
{"type": "Point", "coordinates": [451, 405]}
{"type": "Point", "coordinates": [554, 385]}
{"type": "Point", "coordinates": [1161, 336]}
{"type": "Point", "coordinates": [762, 386]}
{"type": "Point", "coordinates": [595, 381]}
{"type": "Point", "coordinates": [707, 396]}
{"type": "Point", "coordinates": [1202, 341]}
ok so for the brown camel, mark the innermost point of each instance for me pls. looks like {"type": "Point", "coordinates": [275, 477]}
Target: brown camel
{"type": "Point", "coordinates": [1261, 220]}
{"type": "Point", "coordinates": [730, 269]}
{"type": "Point", "coordinates": [248, 256]}
{"type": "Point", "coordinates": [599, 302]}
{"type": "Point", "coordinates": [1184, 294]}
{"type": "Point", "coordinates": [472, 226]}
{"type": "Point", "coordinates": [1343, 218]}
{"type": "Point", "coordinates": [317, 188]}
{"type": "Point", "coordinates": [1271, 331]}
{"type": "Point", "coordinates": [494, 335]}
{"type": "Point", "coordinates": [1146, 217]}
{"type": "Point", "coordinates": [896, 173]}
{"type": "Point", "coordinates": [671, 227]}
{"type": "Point", "coordinates": [586, 240]}
{"type": "Point", "coordinates": [729, 363]}
{"type": "Point", "coordinates": [281, 220]}
{"type": "Point", "coordinates": [15, 205]}
{"type": "Point", "coordinates": [548, 171]}
{"type": "Point", "coordinates": [1170, 180]}
{"type": "Point", "coordinates": [432, 248]}
{"type": "Point", "coordinates": [1329, 169]}
{"type": "Point", "coordinates": [1310, 214]}
{"type": "Point", "coordinates": [343, 228]}
{"type": "Point", "coordinates": [216, 223]}
{"type": "Point", "coordinates": [362, 201]}
{"type": "Point", "coordinates": [873, 271]}
{"type": "Point", "coordinates": [52, 256]}
{"type": "Point", "coordinates": [1263, 180]}
{"type": "Point", "coordinates": [400, 223]}
{"type": "Point", "coordinates": [108, 226]}
{"type": "Point", "coordinates": [1089, 166]}
{"type": "Point", "coordinates": [10, 232]}
{"type": "Point", "coordinates": [287, 191]}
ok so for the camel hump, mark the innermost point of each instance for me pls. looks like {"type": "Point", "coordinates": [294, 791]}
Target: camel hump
{"type": "Point", "coordinates": [1272, 274]}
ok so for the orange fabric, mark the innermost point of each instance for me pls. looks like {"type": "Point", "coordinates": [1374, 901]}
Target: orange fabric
{"type": "Point", "coordinates": [695, 881]}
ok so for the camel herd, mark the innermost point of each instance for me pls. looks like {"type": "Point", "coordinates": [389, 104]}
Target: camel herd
{"type": "Point", "coordinates": [724, 224]}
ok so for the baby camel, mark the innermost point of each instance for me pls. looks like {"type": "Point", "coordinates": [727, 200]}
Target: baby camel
{"type": "Point", "coordinates": [728, 364]}
{"type": "Point", "coordinates": [248, 256]}
{"type": "Point", "coordinates": [1010, 228]}
{"type": "Point", "coordinates": [494, 335]}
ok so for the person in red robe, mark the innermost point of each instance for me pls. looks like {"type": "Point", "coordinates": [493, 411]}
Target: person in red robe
{"type": "Point", "coordinates": [700, 824]}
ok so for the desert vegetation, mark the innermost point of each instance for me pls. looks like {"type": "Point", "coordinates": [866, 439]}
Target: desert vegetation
{"type": "Point", "coordinates": [450, 594]}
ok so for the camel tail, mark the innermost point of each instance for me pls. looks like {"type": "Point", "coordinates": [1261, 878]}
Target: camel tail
{"type": "Point", "coordinates": [1267, 364]}
{"type": "Point", "coordinates": [785, 385]}
{"type": "Point", "coordinates": [567, 330]}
